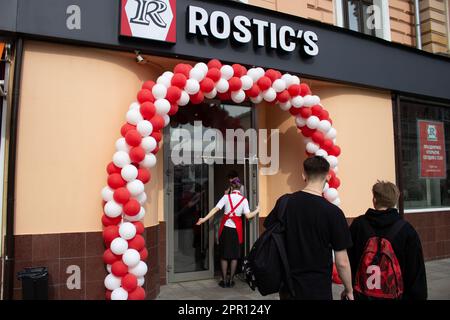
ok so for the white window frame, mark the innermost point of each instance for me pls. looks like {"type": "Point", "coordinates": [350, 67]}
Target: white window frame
{"type": "Point", "coordinates": [384, 33]}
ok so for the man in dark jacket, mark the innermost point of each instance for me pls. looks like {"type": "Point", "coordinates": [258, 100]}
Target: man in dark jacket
{"type": "Point", "coordinates": [406, 243]}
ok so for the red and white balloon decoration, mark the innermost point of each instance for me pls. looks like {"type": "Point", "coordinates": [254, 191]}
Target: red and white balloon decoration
{"type": "Point", "coordinates": [129, 171]}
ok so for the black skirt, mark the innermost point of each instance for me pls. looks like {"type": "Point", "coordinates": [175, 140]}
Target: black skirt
{"type": "Point", "coordinates": [229, 247]}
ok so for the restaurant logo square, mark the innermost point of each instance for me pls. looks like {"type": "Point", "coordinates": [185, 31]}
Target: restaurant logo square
{"type": "Point", "coordinates": [149, 19]}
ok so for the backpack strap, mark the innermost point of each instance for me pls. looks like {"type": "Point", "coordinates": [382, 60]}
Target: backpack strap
{"type": "Point", "coordinates": [283, 206]}
{"type": "Point", "coordinates": [396, 227]}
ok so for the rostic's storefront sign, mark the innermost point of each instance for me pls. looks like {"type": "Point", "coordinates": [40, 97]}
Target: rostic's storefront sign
{"type": "Point", "coordinates": [432, 151]}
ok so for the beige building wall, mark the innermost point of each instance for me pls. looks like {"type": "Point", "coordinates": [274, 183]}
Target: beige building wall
{"type": "Point", "coordinates": [73, 102]}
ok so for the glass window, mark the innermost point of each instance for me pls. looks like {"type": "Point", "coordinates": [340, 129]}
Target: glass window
{"type": "Point", "coordinates": [425, 155]}
{"type": "Point", "coordinates": [357, 14]}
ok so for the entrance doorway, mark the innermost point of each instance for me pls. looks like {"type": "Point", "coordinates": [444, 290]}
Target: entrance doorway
{"type": "Point", "coordinates": [192, 190]}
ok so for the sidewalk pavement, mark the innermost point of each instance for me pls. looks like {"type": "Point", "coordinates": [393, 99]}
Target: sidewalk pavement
{"type": "Point", "coordinates": [438, 277]}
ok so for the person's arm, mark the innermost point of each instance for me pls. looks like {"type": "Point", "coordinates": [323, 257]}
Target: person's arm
{"type": "Point", "coordinates": [208, 216]}
{"type": "Point", "coordinates": [415, 278]}
{"type": "Point", "coordinates": [250, 215]}
{"type": "Point", "coordinates": [345, 273]}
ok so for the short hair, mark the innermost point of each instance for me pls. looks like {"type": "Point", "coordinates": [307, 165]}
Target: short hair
{"type": "Point", "coordinates": [386, 194]}
{"type": "Point", "coordinates": [232, 174]}
{"type": "Point", "coordinates": [316, 167]}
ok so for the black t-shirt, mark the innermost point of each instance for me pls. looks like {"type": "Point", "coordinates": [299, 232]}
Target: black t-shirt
{"type": "Point", "coordinates": [314, 227]}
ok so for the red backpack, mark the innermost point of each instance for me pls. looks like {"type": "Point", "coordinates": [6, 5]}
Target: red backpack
{"type": "Point", "coordinates": [379, 275]}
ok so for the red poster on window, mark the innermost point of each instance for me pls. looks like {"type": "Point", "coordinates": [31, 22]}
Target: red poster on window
{"type": "Point", "coordinates": [432, 161]}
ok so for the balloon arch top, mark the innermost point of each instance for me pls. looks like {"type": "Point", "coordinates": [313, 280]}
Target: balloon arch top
{"type": "Point", "coordinates": [129, 171]}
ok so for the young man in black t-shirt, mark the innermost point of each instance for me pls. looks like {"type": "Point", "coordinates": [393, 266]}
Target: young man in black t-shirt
{"type": "Point", "coordinates": [313, 228]}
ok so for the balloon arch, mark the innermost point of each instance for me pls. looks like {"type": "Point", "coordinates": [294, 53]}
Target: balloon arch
{"type": "Point", "coordinates": [124, 195]}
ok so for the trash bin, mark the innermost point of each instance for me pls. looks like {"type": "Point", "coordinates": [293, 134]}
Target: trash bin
{"type": "Point", "coordinates": [34, 283]}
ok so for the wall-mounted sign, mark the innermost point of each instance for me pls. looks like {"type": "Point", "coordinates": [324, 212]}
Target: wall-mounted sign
{"type": "Point", "coordinates": [149, 19]}
{"type": "Point", "coordinates": [432, 161]}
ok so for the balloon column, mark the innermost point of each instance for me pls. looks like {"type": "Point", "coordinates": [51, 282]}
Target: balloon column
{"type": "Point", "coordinates": [129, 171]}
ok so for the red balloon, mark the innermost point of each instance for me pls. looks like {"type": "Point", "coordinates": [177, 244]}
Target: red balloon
{"type": "Point", "coordinates": [148, 85]}
{"type": "Point", "coordinates": [318, 137]}
{"type": "Point", "coordinates": [294, 90]}
{"type": "Point", "coordinates": [133, 138]}
{"type": "Point", "coordinates": [327, 145]}
{"type": "Point", "coordinates": [121, 195]}
{"type": "Point", "coordinates": [158, 122]}
{"type": "Point", "coordinates": [144, 175]}
{"type": "Point", "coordinates": [110, 233]}
{"type": "Point", "coordinates": [173, 94]}
{"type": "Point", "coordinates": [137, 154]}
{"type": "Point", "coordinates": [112, 168]}
{"type": "Point", "coordinates": [179, 80]}
{"type": "Point", "coordinates": [316, 110]}
{"type": "Point", "coordinates": [324, 115]}
{"type": "Point", "coordinates": [207, 85]}
{"type": "Point", "coordinates": [283, 96]}
{"type": "Point", "coordinates": [129, 282]}
{"type": "Point", "coordinates": [294, 111]}
{"type": "Point", "coordinates": [335, 151]}
{"type": "Point", "coordinates": [139, 227]}
{"type": "Point", "coordinates": [214, 74]}
{"type": "Point", "coordinates": [115, 181]}
{"type": "Point", "coordinates": [173, 109]}
{"type": "Point", "coordinates": [132, 207]}
{"type": "Point", "coordinates": [183, 69]}
{"type": "Point", "coordinates": [214, 63]}
{"type": "Point", "coordinates": [307, 132]}
{"type": "Point", "coordinates": [271, 74]}
{"type": "Point", "coordinates": [238, 71]}
{"type": "Point", "coordinates": [235, 84]}
{"type": "Point", "coordinates": [107, 221]}
{"type": "Point", "coordinates": [156, 134]}
{"type": "Point", "coordinates": [145, 95]}
{"type": "Point", "coordinates": [109, 257]}
{"type": "Point", "coordinates": [304, 89]}
{"type": "Point", "coordinates": [254, 91]}
{"type": "Point", "coordinates": [155, 151]}
{"type": "Point", "coordinates": [334, 182]}
{"type": "Point", "coordinates": [224, 96]}
{"type": "Point", "coordinates": [144, 254]}
{"type": "Point", "coordinates": [332, 173]}
{"type": "Point", "coordinates": [119, 269]}
{"type": "Point", "coordinates": [147, 110]}
{"type": "Point", "coordinates": [264, 83]}
{"type": "Point", "coordinates": [305, 112]}
{"type": "Point", "coordinates": [137, 294]}
{"type": "Point", "coordinates": [197, 98]}
{"type": "Point", "coordinates": [137, 242]}
{"type": "Point", "coordinates": [108, 294]}
{"type": "Point", "coordinates": [125, 128]}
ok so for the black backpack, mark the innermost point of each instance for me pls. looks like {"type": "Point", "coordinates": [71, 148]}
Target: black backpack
{"type": "Point", "coordinates": [266, 266]}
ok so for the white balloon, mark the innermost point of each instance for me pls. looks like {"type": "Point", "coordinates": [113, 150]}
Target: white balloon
{"type": "Point", "coordinates": [140, 270]}
{"type": "Point", "coordinates": [134, 116]}
{"type": "Point", "coordinates": [297, 101]}
{"type": "Point", "coordinates": [257, 99]}
{"type": "Point", "coordinates": [119, 294]}
{"type": "Point", "coordinates": [269, 95]}
{"type": "Point", "coordinates": [149, 161]}
{"type": "Point", "coordinates": [141, 198]}
{"type": "Point", "coordinates": [121, 159]}
{"type": "Point", "coordinates": [222, 85]}
{"type": "Point", "coordinates": [166, 120]}
{"type": "Point", "coordinates": [129, 172]}
{"type": "Point", "coordinates": [326, 187]}
{"type": "Point", "coordinates": [336, 169]}
{"type": "Point", "coordinates": [331, 134]}
{"type": "Point", "coordinates": [168, 74]}
{"type": "Point", "coordinates": [141, 281]}
{"type": "Point", "coordinates": [312, 147]}
{"type": "Point", "coordinates": [312, 122]}
{"type": "Point", "coordinates": [107, 193]}
{"type": "Point", "coordinates": [145, 128]}
{"type": "Point", "coordinates": [112, 282]}
{"type": "Point", "coordinates": [336, 202]}
{"type": "Point", "coordinates": [307, 140]}
{"type": "Point", "coordinates": [285, 106]}
{"type": "Point", "coordinates": [162, 106]}
{"type": "Point", "coordinates": [184, 99]}
{"type": "Point", "coordinates": [247, 82]}
{"type": "Point", "coordinates": [295, 80]}
{"type": "Point", "coordinates": [316, 99]}
{"type": "Point", "coordinates": [308, 100]}
{"type": "Point", "coordinates": [192, 86]}
{"type": "Point", "coordinates": [159, 91]}
{"type": "Point", "coordinates": [321, 153]}
{"type": "Point", "coordinates": [324, 126]}
{"type": "Point", "coordinates": [279, 85]}
{"type": "Point", "coordinates": [121, 145]}
{"type": "Point", "coordinates": [137, 217]}
{"type": "Point", "coordinates": [197, 74]}
{"type": "Point", "coordinates": [253, 74]}
{"type": "Point", "coordinates": [211, 95]}
{"type": "Point", "coordinates": [127, 230]}
{"type": "Point", "coordinates": [202, 66]}
{"type": "Point", "coordinates": [134, 105]}
{"type": "Point", "coordinates": [148, 144]}
{"type": "Point", "coordinates": [165, 80]}
{"type": "Point", "coordinates": [288, 79]}
{"type": "Point", "coordinates": [131, 257]}
{"type": "Point", "coordinates": [333, 161]}
{"type": "Point", "coordinates": [108, 268]}
{"type": "Point", "coordinates": [260, 72]}
{"type": "Point", "coordinates": [135, 187]}
{"type": "Point", "coordinates": [112, 209]}
{"type": "Point", "coordinates": [119, 246]}
{"type": "Point", "coordinates": [227, 72]}
{"type": "Point", "coordinates": [238, 96]}
{"type": "Point", "coordinates": [331, 194]}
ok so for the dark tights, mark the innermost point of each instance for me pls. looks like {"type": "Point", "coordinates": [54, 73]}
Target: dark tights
{"type": "Point", "coordinates": [224, 266]}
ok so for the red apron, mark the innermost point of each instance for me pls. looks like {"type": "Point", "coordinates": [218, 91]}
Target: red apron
{"type": "Point", "coordinates": [236, 219]}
